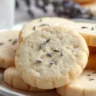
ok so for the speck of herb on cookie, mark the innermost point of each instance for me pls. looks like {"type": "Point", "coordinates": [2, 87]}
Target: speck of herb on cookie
{"type": "Point", "coordinates": [52, 62]}
{"type": "Point", "coordinates": [10, 40]}
{"type": "Point", "coordinates": [34, 28]}
{"type": "Point", "coordinates": [38, 61]}
{"type": "Point", "coordinates": [1, 43]}
{"type": "Point", "coordinates": [14, 42]}
{"type": "Point", "coordinates": [56, 50]}
{"type": "Point", "coordinates": [47, 40]}
{"type": "Point", "coordinates": [49, 55]}
{"type": "Point", "coordinates": [91, 79]}
{"type": "Point", "coordinates": [92, 28]}
{"type": "Point", "coordinates": [41, 46]}
{"type": "Point", "coordinates": [61, 54]}
{"type": "Point", "coordinates": [88, 75]}
{"type": "Point", "coordinates": [44, 25]}
{"type": "Point", "coordinates": [84, 27]}
{"type": "Point", "coordinates": [44, 43]}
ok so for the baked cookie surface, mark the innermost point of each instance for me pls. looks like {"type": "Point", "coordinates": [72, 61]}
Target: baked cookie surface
{"type": "Point", "coordinates": [41, 22]}
{"type": "Point", "coordinates": [84, 85]}
{"type": "Point", "coordinates": [8, 46]}
{"type": "Point", "coordinates": [47, 58]}
{"type": "Point", "coordinates": [12, 78]}
{"type": "Point", "coordinates": [88, 31]}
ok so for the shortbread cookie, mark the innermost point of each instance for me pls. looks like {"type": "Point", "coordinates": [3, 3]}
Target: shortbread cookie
{"type": "Point", "coordinates": [91, 62]}
{"type": "Point", "coordinates": [12, 78]}
{"type": "Point", "coordinates": [83, 1]}
{"type": "Point", "coordinates": [84, 85]}
{"type": "Point", "coordinates": [91, 6]}
{"type": "Point", "coordinates": [41, 22]}
{"type": "Point", "coordinates": [47, 58]}
{"type": "Point", "coordinates": [88, 31]}
{"type": "Point", "coordinates": [8, 46]}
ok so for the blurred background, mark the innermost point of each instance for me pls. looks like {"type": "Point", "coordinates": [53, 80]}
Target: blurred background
{"type": "Point", "coordinates": [14, 12]}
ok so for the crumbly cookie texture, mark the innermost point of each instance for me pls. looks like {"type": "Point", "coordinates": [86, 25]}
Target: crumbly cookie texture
{"type": "Point", "coordinates": [46, 59]}
{"type": "Point", "coordinates": [84, 85]}
{"type": "Point", "coordinates": [41, 22]}
{"type": "Point", "coordinates": [8, 46]}
{"type": "Point", "coordinates": [88, 31]}
{"type": "Point", "coordinates": [12, 78]}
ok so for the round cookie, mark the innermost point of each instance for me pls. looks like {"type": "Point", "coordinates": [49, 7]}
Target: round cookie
{"type": "Point", "coordinates": [84, 85]}
{"type": "Point", "coordinates": [88, 31]}
{"type": "Point", "coordinates": [91, 62]}
{"type": "Point", "coordinates": [41, 22]}
{"type": "Point", "coordinates": [46, 59]}
{"type": "Point", "coordinates": [83, 1]}
{"type": "Point", "coordinates": [8, 46]}
{"type": "Point", "coordinates": [12, 78]}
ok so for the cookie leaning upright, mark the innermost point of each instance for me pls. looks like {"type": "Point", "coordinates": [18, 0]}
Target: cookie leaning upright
{"type": "Point", "coordinates": [47, 58]}
{"type": "Point", "coordinates": [8, 46]}
{"type": "Point", "coordinates": [41, 22]}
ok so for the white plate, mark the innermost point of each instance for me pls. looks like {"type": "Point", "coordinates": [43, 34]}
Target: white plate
{"type": "Point", "coordinates": [6, 90]}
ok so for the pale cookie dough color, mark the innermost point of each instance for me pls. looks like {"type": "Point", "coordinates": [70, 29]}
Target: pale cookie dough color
{"type": "Point", "coordinates": [8, 47]}
{"type": "Point", "coordinates": [84, 85]}
{"type": "Point", "coordinates": [12, 78]}
{"type": "Point", "coordinates": [88, 31]}
{"type": "Point", "coordinates": [41, 22]}
{"type": "Point", "coordinates": [47, 58]}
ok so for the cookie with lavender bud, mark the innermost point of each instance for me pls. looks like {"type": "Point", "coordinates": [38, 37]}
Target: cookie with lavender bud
{"type": "Point", "coordinates": [46, 59]}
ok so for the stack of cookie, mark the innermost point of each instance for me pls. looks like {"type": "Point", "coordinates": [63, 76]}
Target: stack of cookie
{"type": "Point", "coordinates": [50, 53]}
